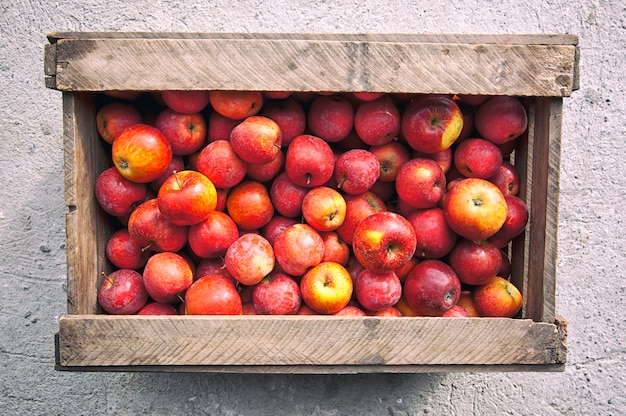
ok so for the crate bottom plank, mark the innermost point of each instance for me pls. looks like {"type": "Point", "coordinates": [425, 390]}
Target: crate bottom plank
{"type": "Point", "coordinates": [295, 344]}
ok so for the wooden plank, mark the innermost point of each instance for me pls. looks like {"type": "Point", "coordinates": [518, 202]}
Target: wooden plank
{"type": "Point", "coordinates": [545, 138]}
{"type": "Point", "coordinates": [305, 341]}
{"type": "Point", "coordinates": [85, 226]}
{"type": "Point", "coordinates": [314, 65]}
{"type": "Point", "coordinates": [502, 39]}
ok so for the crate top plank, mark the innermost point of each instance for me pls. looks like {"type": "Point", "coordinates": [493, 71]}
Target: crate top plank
{"type": "Point", "coordinates": [523, 65]}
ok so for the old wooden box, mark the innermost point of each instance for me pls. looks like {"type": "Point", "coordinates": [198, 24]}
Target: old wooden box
{"type": "Point", "coordinates": [541, 68]}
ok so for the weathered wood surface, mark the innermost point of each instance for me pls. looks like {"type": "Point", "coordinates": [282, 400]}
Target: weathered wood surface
{"type": "Point", "coordinates": [313, 342]}
{"type": "Point", "coordinates": [462, 64]}
{"type": "Point", "coordinates": [86, 227]}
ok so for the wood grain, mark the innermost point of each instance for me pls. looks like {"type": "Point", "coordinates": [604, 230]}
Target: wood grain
{"type": "Point", "coordinates": [305, 341]}
{"type": "Point", "coordinates": [86, 227]}
{"type": "Point", "coordinates": [437, 64]}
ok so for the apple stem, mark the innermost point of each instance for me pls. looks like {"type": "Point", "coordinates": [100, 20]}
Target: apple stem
{"type": "Point", "coordinates": [146, 247]}
{"type": "Point", "coordinates": [308, 178]}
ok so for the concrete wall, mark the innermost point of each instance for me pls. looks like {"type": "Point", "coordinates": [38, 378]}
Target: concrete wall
{"type": "Point", "coordinates": [592, 233]}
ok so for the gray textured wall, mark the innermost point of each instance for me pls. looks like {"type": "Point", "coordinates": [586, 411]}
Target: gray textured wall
{"type": "Point", "coordinates": [591, 288]}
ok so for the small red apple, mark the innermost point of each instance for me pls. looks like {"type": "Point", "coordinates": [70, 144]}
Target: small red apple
{"type": "Point", "coordinates": [431, 124]}
{"type": "Point", "coordinates": [497, 298]}
{"type": "Point", "coordinates": [249, 205]}
{"type": "Point", "coordinates": [115, 117]}
{"type": "Point", "coordinates": [390, 157]}
{"type": "Point", "coordinates": [186, 102]}
{"type": "Point", "coordinates": [286, 196]}
{"type": "Point", "coordinates": [124, 252]}
{"type": "Point", "coordinates": [289, 115]}
{"type": "Point", "coordinates": [377, 291]}
{"type": "Point", "coordinates": [249, 259]}
{"type": "Point", "coordinates": [122, 292]}
{"type": "Point", "coordinates": [236, 104]}
{"type": "Point", "coordinates": [324, 208]}
{"type": "Point", "coordinates": [335, 249]}
{"type": "Point", "coordinates": [516, 219]}
{"type": "Point", "coordinates": [506, 178]}
{"type": "Point", "coordinates": [384, 241]}
{"type": "Point", "coordinates": [277, 294]}
{"type": "Point", "coordinates": [475, 209]}
{"type": "Point", "coordinates": [309, 161]}
{"type": "Point", "coordinates": [298, 248]}
{"type": "Point", "coordinates": [359, 207]}
{"type": "Point", "coordinates": [212, 294]}
{"type": "Point", "coordinates": [219, 127]}
{"type": "Point", "coordinates": [501, 119]}
{"type": "Point", "coordinates": [187, 198]}
{"type": "Point", "coordinates": [477, 158]}
{"type": "Point", "coordinates": [356, 171]}
{"type": "Point", "coordinates": [158, 308]}
{"type": "Point", "coordinates": [326, 288]}
{"type": "Point", "coordinates": [475, 263]}
{"type": "Point", "coordinates": [265, 172]}
{"type": "Point", "coordinates": [185, 132]}
{"type": "Point", "coordinates": [166, 276]}
{"type": "Point", "coordinates": [152, 231]}
{"type": "Point", "coordinates": [257, 139]}
{"type": "Point", "coordinates": [330, 117]}
{"type": "Point", "coordinates": [432, 288]}
{"type": "Point", "coordinates": [211, 237]}
{"type": "Point", "coordinates": [141, 153]}
{"type": "Point", "coordinates": [116, 195]}
{"type": "Point", "coordinates": [377, 122]}
{"type": "Point", "coordinates": [421, 183]}
{"type": "Point", "coordinates": [219, 162]}
{"type": "Point", "coordinates": [350, 310]}
{"type": "Point", "coordinates": [435, 238]}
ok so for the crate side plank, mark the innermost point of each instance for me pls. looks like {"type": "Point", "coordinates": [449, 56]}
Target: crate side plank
{"type": "Point", "coordinates": [83, 161]}
{"type": "Point", "coordinates": [314, 65]}
{"type": "Point", "coordinates": [502, 39]}
{"type": "Point", "coordinates": [109, 340]}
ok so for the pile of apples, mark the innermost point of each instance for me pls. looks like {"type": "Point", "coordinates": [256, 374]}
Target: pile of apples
{"type": "Point", "coordinates": [248, 202]}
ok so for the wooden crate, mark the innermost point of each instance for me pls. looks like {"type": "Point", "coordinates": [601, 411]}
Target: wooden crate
{"type": "Point", "coordinates": [541, 68]}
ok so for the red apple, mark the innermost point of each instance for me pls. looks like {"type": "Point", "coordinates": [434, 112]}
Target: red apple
{"type": "Point", "coordinates": [286, 196]}
{"type": "Point", "coordinates": [122, 292]}
{"type": "Point", "coordinates": [186, 102]}
{"type": "Point", "coordinates": [498, 298]}
{"type": "Point", "coordinates": [298, 248]}
{"type": "Point", "coordinates": [124, 252]}
{"type": "Point", "coordinates": [335, 249]}
{"type": "Point", "coordinates": [475, 263]}
{"type": "Point", "coordinates": [265, 172]}
{"type": "Point", "coordinates": [185, 132]}
{"type": "Point", "coordinates": [323, 208]}
{"type": "Point", "coordinates": [213, 266]}
{"type": "Point", "coordinates": [505, 265]}
{"type": "Point", "coordinates": [152, 231]}
{"type": "Point", "coordinates": [212, 295]}
{"type": "Point", "coordinates": [456, 312]}
{"type": "Point", "coordinates": [384, 241]}
{"type": "Point", "coordinates": [219, 162]}
{"type": "Point", "coordinates": [277, 294]}
{"type": "Point", "coordinates": [309, 161]}
{"type": "Point", "coordinates": [249, 259]}
{"type": "Point", "coordinates": [431, 124]}
{"type": "Point", "coordinates": [421, 183]}
{"type": "Point", "coordinates": [219, 127]}
{"type": "Point", "coordinates": [466, 301]}
{"type": "Point", "coordinates": [516, 219]}
{"type": "Point", "coordinates": [158, 308]}
{"type": "Point", "coordinates": [377, 122]}
{"type": "Point", "coordinates": [367, 96]}
{"type": "Point", "coordinates": [141, 153]}
{"type": "Point", "coordinates": [506, 178]}
{"type": "Point", "coordinates": [289, 115]}
{"type": "Point", "coordinates": [117, 195]}
{"type": "Point", "coordinates": [356, 171]}
{"type": "Point", "coordinates": [359, 207]}
{"type": "Point", "coordinates": [275, 226]}
{"type": "Point", "coordinates": [377, 291]}
{"type": "Point", "coordinates": [236, 104]}
{"type": "Point", "coordinates": [477, 158]}
{"type": "Point", "coordinates": [166, 276]}
{"type": "Point", "coordinates": [475, 209]}
{"type": "Point", "coordinates": [330, 117]}
{"type": "Point", "coordinates": [249, 205]}
{"type": "Point", "coordinates": [187, 198]}
{"type": "Point", "coordinates": [211, 237]}
{"type": "Point", "coordinates": [435, 238]}
{"type": "Point", "coordinates": [432, 288]}
{"type": "Point", "coordinates": [177, 164]}
{"type": "Point", "coordinates": [501, 119]}
{"type": "Point", "coordinates": [257, 139]}
{"type": "Point", "coordinates": [115, 117]}
{"type": "Point", "coordinates": [390, 312]}
{"type": "Point", "coordinates": [350, 310]}
{"type": "Point", "coordinates": [390, 157]}
{"type": "Point", "coordinates": [326, 288]}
